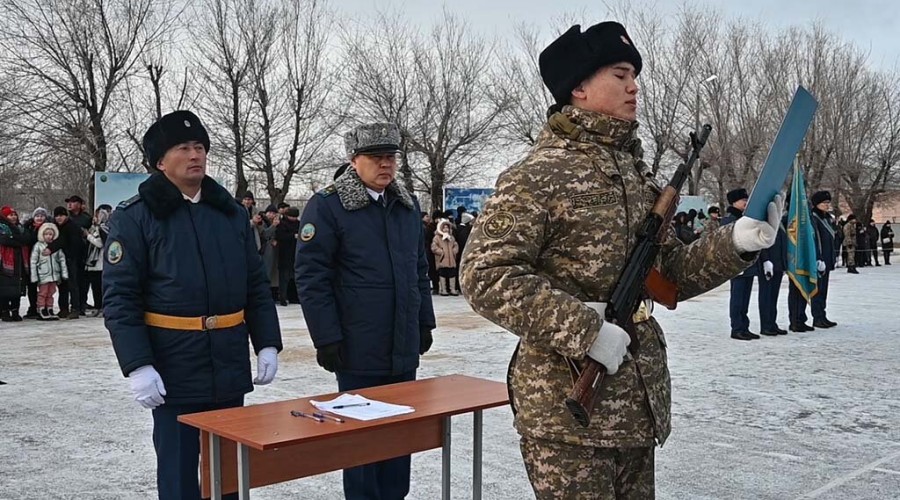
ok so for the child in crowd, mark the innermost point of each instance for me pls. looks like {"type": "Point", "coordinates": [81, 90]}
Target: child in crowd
{"type": "Point", "coordinates": [47, 270]}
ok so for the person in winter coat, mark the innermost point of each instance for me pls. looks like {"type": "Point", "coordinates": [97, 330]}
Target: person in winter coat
{"type": "Point", "coordinates": [887, 241]}
{"type": "Point", "coordinates": [445, 249]}
{"type": "Point", "coordinates": [872, 233]}
{"type": "Point", "coordinates": [71, 241]}
{"type": "Point", "coordinates": [850, 243]}
{"type": "Point", "coordinates": [742, 284]}
{"type": "Point", "coordinates": [184, 297]}
{"type": "Point", "coordinates": [96, 238]}
{"type": "Point", "coordinates": [286, 238]}
{"type": "Point", "coordinates": [47, 271]}
{"type": "Point", "coordinates": [14, 262]}
{"type": "Point", "coordinates": [683, 229]}
{"type": "Point", "coordinates": [364, 289]}
{"type": "Point", "coordinates": [430, 229]}
{"type": "Point", "coordinates": [32, 233]}
{"type": "Point", "coordinates": [269, 248]}
{"type": "Point", "coordinates": [825, 256]}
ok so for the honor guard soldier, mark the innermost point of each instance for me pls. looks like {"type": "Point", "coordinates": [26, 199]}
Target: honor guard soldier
{"type": "Point", "coordinates": [362, 277]}
{"type": "Point", "coordinates": [183, 290]}
{"type": "Point", "coordinates": [742, 284]}
{"type": "Point", "coordinates": [546, 252]}
{"type": "Point", "coordinates": [826, 258]}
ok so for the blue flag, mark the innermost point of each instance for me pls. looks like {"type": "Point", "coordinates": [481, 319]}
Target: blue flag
{"type": "Point", "coordinates": [801, 264]}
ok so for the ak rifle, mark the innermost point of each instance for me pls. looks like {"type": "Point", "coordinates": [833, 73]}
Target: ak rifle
{"type": "Point", "coordinates": [638, 279]}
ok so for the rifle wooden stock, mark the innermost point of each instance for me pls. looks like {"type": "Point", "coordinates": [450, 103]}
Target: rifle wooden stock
{"type": "Point", "coordinates": [582, 399]}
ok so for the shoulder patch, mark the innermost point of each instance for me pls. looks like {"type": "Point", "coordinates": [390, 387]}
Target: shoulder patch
{"type": "Point", "coordinates": [596, 199]}
{"type": "Point", "coordinates": [307, 232]}
{"type": "Point", "coordinates": [129, 202]}
{"type": "Point", "coordinates": [499, 224]}
{"type": "Point", "coordinates": [115, 252]}
{"type": "Point", "coordinates": [327, 191]}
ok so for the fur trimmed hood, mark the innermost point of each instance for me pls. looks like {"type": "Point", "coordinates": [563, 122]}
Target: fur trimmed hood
{"type": "Point", "coordinates": [163, 198]}
{"type": "Point", "coordinates": [45, 226]}
{"type": "Point", "coordinates": [353, 195]}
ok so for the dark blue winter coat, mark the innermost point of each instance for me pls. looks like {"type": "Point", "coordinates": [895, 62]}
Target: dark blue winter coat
{"type": "Point", "coordinates": [167, 255]}
{"type": "Point", "coordinates": [733, 215]}
{"type": "Point", "coordinates": [825, 245]}
{"type": "Point", "coordinates": [362, 276]}
{"type": "Point", "coordinates": [777, 253]}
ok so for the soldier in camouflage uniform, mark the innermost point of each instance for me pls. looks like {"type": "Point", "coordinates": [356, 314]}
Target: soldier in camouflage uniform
{"type": "Point", "coordinates": [850, 243]}
{"type": "Point", "coordinates": [545, 254]}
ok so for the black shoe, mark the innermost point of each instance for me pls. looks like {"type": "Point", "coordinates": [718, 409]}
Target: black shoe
{"type": "Point", "coordinates": [832, 323]}
{"type": "Point", "coordinates": [781, 331]}
{"type": "Point", "coordinates": [63, 313]}
{"type": "Point", "coordinates": [801, 327]}
{"type": "Point", "coordinates": [767, 333]}
{"type": "Point", "coordinates": [31, 314]}
{"type": "Point", "coordinates": [14, 316]}
{"type": "Point", "coordinates": [283, 303]}
{"type": "Point", "coordinates": [5, 316]}
{"type": "Point", "coordinates": [822, 324]}
{"type": "Point", "coordinates": [741, 336]}
{"type": "Point", "coordinates": [852, 270]}
{"type": "Point", "coordinates": [72, 315]}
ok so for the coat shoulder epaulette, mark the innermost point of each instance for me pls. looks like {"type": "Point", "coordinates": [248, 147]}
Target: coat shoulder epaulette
{"type": "Point", "coordinates": [129, 202]}
{"type": "Point", "coordinates": [327, 191]}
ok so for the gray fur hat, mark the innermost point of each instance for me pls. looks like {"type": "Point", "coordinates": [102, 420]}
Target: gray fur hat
{"type": "Point", "coordinates": [373, 138]}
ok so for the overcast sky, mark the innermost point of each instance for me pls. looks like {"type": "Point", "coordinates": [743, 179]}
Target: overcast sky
{"type": "Point", "coordinates": [873, 25]}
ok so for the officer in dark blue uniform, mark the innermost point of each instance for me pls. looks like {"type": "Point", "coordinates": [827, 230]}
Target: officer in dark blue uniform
{"type": "Point", "coordinates": [183, 290]}
{"type": "Point", "coordinates": [742, 284]}
{"type": "Point", "coordinates": [827, 256]}
{"type": "Point", "coordinates": [362, 277]}
{"type": "Point", "coordinates": [771, 265]}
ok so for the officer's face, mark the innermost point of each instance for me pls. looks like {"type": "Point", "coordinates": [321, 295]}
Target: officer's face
{"type": "Point", "coordinates": [612, 91]}
{"type": "Point", "coordinates": [825, 206]}
{"type": "Point", "coordinates": [376, 171]}
{"type": "Point", "coordinates": [741, 204]}
{"type": "Point", "coordinates": [184, 163]}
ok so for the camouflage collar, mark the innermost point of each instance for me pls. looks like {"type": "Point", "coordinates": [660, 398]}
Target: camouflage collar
{"type": "Point", "coordinates": [353, 195]}
{"type": "Point", "coordinates": [580, 125]}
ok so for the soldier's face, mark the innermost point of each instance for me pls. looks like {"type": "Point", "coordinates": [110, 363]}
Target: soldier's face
{"type": "Point", "coordinates": [184, 163]}
{"type": "Point", "coordinates": [376, 171]}
{"type": "Point", "coordinates": [825, 206]}
{"type": "Point", "coordinates": [612, 91]}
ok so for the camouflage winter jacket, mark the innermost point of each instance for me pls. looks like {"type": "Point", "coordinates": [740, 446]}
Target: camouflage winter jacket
{"type": "Point", "coordinates": [555, 234]}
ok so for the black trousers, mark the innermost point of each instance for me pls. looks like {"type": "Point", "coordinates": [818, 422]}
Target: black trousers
{"type": "Point", "coordinates": [178, 450]}
{"type": "Point", "coordinates": [95, 280]}
{"type": "Point", "coordinates": [70, 290]}
{"type": "Point", "coordinates": [887, 256]}
{"type": "Point", "coordinates": [796, 305]}
{"type": "Point", "coordinates": [32, 297]}
{"type": "Point", "coordinates": [768, 301]}
{"type": "Point", "coordinates": [385, 480]}
{"type": "Point", "coordinates": [287, 287]}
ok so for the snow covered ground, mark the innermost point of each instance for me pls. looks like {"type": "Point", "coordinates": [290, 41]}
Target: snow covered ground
{"type": "Point", "coordinates": [813, 415]}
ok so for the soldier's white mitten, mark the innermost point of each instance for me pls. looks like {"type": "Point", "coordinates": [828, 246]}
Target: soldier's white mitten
{"type": "Point", "coordinates": [820, 266]}
{"type": "Point", "coordinates": [611, 345]}
{"type": "Point", "coordinates": [751, 235]}
{"type": "Point", "coordinates": [768, 268]}
{"type": "Point", "coordinates": [266, 366]}
{"type": "Point", "coordinates": [147, 387]}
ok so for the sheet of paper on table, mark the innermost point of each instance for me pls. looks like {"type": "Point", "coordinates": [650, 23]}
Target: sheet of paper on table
{"type": "Point", "coordinates": [363, 409]}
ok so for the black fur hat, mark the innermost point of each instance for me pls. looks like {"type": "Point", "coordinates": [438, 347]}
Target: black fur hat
{"type": "Point", "coordinates": [819, 197]}
{"type": "Point", "coordinates": [736, 195]}
{"type": "Point", "coordinates": [574, 56]}
{"type": "Point", "coordinates": [171, 130]}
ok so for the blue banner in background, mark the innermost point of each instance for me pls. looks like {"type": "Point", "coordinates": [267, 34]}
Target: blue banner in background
{"type": "Point", "coordinates": [471, 198]}
{"type": "Point", "coordinates": [801, 265]}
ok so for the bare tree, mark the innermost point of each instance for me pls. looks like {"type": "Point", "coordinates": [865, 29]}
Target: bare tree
{"type": "Point", "coordinates": [75, 55]}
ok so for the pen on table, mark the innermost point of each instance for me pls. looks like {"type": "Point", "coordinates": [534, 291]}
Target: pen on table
{"type": "Point", "coordinates": [307, 415]}
{"type": "Point", "coordinates": [348, 406]}
{"type": "Point", "coordinates": [322, 415]}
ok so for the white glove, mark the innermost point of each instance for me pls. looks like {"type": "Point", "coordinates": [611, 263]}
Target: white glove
{"type": "Point", "coordinates": [768, 268]}
{"type": "Point", "coordinates": [751, 235]}
{"type": "Point", "coordinates": [820, 266]}
{"type": "Point", "coordinates": [147, 387]}
{"type": "Point", "coordinates": [611, 345]}
{"type": "Point", "coordinates": [266, 366]}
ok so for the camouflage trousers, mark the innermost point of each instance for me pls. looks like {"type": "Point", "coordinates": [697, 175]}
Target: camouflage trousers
{"type": "Point", "coordinates": [851, 256]}
{"type": "Point", "coordinates": [564, 471]}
